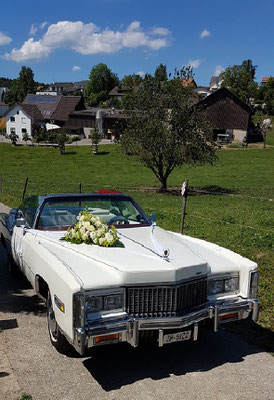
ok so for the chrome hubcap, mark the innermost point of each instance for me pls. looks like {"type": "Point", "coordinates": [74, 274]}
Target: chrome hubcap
{"type": "Point", "coordinates": [52, 322]}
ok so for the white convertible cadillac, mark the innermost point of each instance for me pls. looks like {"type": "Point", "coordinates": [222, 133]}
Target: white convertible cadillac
{"type": "Point", "coordinates": [152, 285]}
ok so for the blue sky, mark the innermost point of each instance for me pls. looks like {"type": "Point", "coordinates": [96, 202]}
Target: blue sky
{"type": "Point", "coordinates": [62, 40]}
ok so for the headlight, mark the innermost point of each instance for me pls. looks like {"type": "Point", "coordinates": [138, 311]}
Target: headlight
{"type": "Point", "coordinates": [107, 302]}
{"type": "Point", "coordinates": [253, 285]}
{"type": "Point", "coordinates": [229, 284]}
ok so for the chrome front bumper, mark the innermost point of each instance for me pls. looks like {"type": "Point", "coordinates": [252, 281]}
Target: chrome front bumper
{"type": "Point", "coordinates": [128, 329]}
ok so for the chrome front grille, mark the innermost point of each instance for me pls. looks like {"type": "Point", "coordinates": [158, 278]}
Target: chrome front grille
{"type": "Point", "coordinates": [166, 301]}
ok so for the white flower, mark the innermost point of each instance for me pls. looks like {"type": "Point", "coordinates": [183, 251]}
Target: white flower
{"type": "Point", "coordinates": [86, 224]}
{"type": "Point", "coordinates": [84, 236]}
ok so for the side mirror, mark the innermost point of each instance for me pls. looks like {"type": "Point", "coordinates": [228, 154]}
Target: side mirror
{"type": "Point", "coordinates": [20, 222]}
{"type": "Point", "coordinates": [153, 218]}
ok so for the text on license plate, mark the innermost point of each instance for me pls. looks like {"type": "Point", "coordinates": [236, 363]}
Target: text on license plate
{"type": "Point", "coordinates": [177, 337]}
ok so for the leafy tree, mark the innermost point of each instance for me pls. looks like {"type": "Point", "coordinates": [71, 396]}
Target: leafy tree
{"type": "Point", "coordinates": [5, 82]}
{"type": "Point", "coordinates": [131, 80]}
{"type": "Point", "coordinates": [13, 138]}
{"type": "Point", "coordinates": [52, 136]}
{"type": "Point", "coordinates": [26, 137]}
{"type": "Point", "coordinates": [25, 83]}
{"type": "Point", "coordinates": [266, 127]}
{"type": "Point", "coordinates": [101, 81]}
{"type": "Point", "coordinates": [39, 134]}
{"type": "Point", "coordinates": [20, 87]}
{"type": "Point", "coordinates": [95, 140]}
{"type": "Point", "coordinates": [268, 96]}
{"type": "Point", "coordinates": [164, 130]}
{"type": "Point", "coordinates": [61, 140]}
{"type": "Point", "coordinates": [10, 97]}
{"type": "Point", "coordinates": [160, 73]}
{"type": "Point", "coordinates": [240, 80]}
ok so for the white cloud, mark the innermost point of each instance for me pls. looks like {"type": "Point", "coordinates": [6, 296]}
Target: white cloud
{"type": "Point", "coordinates": [33, 30]}
{"type": "Point", "coordinates": [4, 39]}
{"type": "Point", "coordinates": [160, 31]}
{"type": "Point", "coordinates": [194, 63]}
{"type": "Point", "coordinates": [205, 33]}
{"type": "Point", "coordinates": [140, 73]}
{"type": "Point", "coordinates": [76, 68]}
{"type": "Point", "coordinates": [218, 70]}
{"type": "Point", "coordinates": [30, 50]}
{"type": "Point", "coordinates": [89, 39]}
{"type": "Point", "coordinates": [42, 26]}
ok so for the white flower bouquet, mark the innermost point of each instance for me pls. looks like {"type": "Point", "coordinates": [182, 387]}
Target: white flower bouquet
{"type": "Point", "coordinates": [90, 229]}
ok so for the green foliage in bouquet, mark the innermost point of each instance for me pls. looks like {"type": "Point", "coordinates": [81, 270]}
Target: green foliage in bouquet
{"type": "Point", "coordinates": [90, 229]}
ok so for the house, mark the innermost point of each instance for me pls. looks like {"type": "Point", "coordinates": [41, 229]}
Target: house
{"type": "Point", "coordinates": [228, 115]}
{"type": "Point", "coordinates": [119, 91]}
{"type": "Point", "coordinates": [60, 87]}
{"type": "Point", "coordinates": [67, 87]}
{"type": "Point", "coordinates": [21, 118]}
{"type": "Point", "coordinates": [3, 110]}
{"type": "Point", "coordinates": [265, 79]}
{"type": "Point", "coordinates": [215, 82]}
{"type": "Point", "coordinates": [189, 82]}
{"type": "Point", "coordinates": [202, 91]}
{"type": "Point", "coordinates": [81, 122]}
{"type": "Point", "coordinates": [44, 111]}
{"type": "Point", "coordinates": [55, 109]}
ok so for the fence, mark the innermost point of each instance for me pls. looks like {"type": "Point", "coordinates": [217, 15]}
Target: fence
{"type": "Point", "coordinates": [19, 188]}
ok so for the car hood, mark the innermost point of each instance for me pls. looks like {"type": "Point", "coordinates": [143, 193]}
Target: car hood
{"type": "Point", "coordinates": [141, 259]}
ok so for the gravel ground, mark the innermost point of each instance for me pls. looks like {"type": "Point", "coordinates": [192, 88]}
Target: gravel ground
{"type": "Point", "coordinates": [218, 366]}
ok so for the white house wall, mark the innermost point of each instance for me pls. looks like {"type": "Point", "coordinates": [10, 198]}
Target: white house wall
{"type": "Point", "coordinates": [22, 121]}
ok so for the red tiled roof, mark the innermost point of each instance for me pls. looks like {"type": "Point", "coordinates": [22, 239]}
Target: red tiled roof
{"type": "Point", "coordinates": [187, 82]}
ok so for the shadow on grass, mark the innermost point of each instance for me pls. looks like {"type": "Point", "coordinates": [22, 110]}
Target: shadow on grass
{"type": "Point", "coordinates": [101, 153]}
{"type": "Point", "coordinates": [69, 153]}
{"type": "Point", "coordinates": [212, 189]}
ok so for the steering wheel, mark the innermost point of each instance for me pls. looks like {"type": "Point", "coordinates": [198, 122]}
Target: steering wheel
{"type": "Point", "coordinates": [120, 219]}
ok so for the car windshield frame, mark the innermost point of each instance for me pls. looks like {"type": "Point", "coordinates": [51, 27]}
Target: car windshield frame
{"type": "Point", "coordinates": [84, 197]}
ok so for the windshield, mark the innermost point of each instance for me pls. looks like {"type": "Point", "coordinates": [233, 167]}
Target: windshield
{"type": "Point", "coordinates": [60, 213]}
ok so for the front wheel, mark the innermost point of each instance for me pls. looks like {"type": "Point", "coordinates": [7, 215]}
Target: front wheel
{"type": "Point", "coordinates": [57, 339]}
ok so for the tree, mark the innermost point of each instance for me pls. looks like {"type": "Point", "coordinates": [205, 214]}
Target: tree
{"type": "Point", "coordinates": [25, 83]}
{"type": "Point", "coordinates": [39, 134]}
{"type": "Point", "coordinates": [160, 73]}
{"type": "Point", "coordinates": [26, 137]}
{"type": "Point", "coordinates": [240, 80]}
{"type": "Point", "coordinates": [268, 96]}
{"type": "Point", "coordinates": [95, 140]}
{"type": "Point", "coordinates": [101, 81]}
{"type": "Point", "coordinates": [20, 87]}
{"type": "Point", "coordinates": [164, 130]}
{"type": "Point", "coordinates": [13, 138]}
{"type": "Point", "coordinates": [61, 138]}
{"type": "Point", "coordinates": [131, 80]}
{"type": "Point", "coordinates": [266, 128]}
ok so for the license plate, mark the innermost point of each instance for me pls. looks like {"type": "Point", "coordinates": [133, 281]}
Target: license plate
{"type": "Point", "coordinates": [177, 337]}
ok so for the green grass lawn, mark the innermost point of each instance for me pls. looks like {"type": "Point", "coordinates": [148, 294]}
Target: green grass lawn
{"type": "Point", "coordinates": [242, 219]}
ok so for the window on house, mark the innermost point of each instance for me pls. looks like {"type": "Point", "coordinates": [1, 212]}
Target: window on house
{"type": "Point", "coordinates": [12, 119]}
{"type": "Point", "coordinates": [24, 130]}
{"type": "Point", "coordinates": [12, 130]}
{"type": "Point", "coordinates": [23, 120]}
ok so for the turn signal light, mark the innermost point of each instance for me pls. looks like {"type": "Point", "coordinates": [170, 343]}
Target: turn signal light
{"type": "Point", "coordinates": [104, 338]}
{"type": "Point", "coordinates": [228, 316]}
